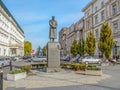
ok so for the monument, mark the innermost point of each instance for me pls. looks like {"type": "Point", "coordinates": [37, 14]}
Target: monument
{"type": "Point", "coordinates": [53, 29]}
{"type": "Point", "coordinates": [53, 48]}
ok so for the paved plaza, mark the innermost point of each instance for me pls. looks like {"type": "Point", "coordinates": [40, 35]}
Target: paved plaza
{"type": "Point", "coordinates": [68, 80]}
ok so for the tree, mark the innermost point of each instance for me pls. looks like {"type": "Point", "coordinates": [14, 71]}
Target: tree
{"type": "Point", "coordinates": [74, 48]}
{"type": "Point", "coordinates": [106, 40]}
{"type": "Point", "coordinates": [85, 47]}
{"type": "Point", "coordinates": [38, 51]}
{"type": "Point", "coordinates": [44, 51]}
{"type": "Point", "coordinates": [81, 47]}
{"type": "Point", "coordinates": [90, 44]}
{"type": "Point", "coordinates": [27, 48]}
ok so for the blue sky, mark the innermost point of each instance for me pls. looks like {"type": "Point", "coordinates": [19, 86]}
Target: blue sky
{"type": "Point", "coordinates": [33, 16]}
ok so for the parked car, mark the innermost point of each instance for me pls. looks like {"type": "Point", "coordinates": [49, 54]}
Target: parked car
{"type": "Point", "coordinates": [65, 58]}
{"type": "Point", "coordinates": [75, 59]}
{"type": "Point", "coordinates": [6, 61]}
{"type": "Point", "coordinates": [43, 58]}
{"type": "Point", "coordinates": [39, 59]}
{"type": "Point", "coordinates": [90, 59]}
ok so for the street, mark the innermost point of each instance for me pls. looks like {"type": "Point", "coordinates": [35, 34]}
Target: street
{"type": "Point", "coordinates": [112, 83]}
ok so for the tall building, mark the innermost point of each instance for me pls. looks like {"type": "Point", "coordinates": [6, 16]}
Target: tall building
{"type": "Point", "coordinates": [98, 12]}
{"type": "Point", "coordinates": [62, 41]}
{"type": "Point", "coordinates": [68, 35]}
{"type": "Point", "coordinates": [95, 14]}
{"type": "Point", "coordinates": [11, 34]}
{"type": "Point", "coordinates": [79, 29]}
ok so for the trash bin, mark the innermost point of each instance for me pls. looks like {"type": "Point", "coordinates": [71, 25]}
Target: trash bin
{"type": "Point", "coordinates": [1, 80]}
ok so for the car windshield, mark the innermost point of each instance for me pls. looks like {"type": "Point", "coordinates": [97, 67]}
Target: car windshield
{"type": "Point", "coordinates": [90, 57]}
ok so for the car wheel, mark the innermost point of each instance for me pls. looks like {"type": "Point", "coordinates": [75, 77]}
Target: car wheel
{"type": "Point", "coordinates": [99, 63]}
{"type": "Point", "coordinates": [86, 63]}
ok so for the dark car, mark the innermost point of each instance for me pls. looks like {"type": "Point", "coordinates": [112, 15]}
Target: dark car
{"type": "Point", "coordinates": [75, 59]}
{"type": "Point", "coordinates": [65, 58]}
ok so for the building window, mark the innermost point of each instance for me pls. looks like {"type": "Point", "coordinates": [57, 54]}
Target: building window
{"type": "Point", "coordinates": [87, 13]}
{"type": "Point", "coordinates": [96, 9]}
{"type": "Point", "coordinates": [96, 19]}
{"type": "Point", "coordinates": [114, 9]}
{"type": "Point", "coordinates": [88, 24]}
{"type": "Point", "coordinates": [102, 4]}
{"type": "Point", "coordinates": [102, 15]}
{"type": "Point", "coordinates": [115, 27]}
{"type": "Point", "coordinates": [4, 52]}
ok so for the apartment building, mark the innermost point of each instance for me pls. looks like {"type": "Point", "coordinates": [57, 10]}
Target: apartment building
{"type": "Point", "coordinates": [98, 12]}
{"type": "Point", "coordinates": [79, 29]}
{"type": "Point", "coordinates": [62, 41]}
{"type": "Point", "coordinates": [11, 34]}
{"type": "Point", "coordinates": [95, 14]}
{"type": "Point", "coordinates": [68, 35]}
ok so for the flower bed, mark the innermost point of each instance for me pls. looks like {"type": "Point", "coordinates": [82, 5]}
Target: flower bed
{"type": "Point", "coordinates": [16, 75]}
{"type": "Point", "coordinates": [74, 66]}
{"type": "Point", "coordinates": [41, 66]}
{"type": "Point", "coordinates": [91, 70]}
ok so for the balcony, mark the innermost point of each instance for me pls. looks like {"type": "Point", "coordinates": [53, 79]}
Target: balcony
{"type": "Point", "coordinates": [15, 46]}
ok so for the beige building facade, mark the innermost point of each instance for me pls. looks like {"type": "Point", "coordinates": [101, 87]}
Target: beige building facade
{"type": "Point", "coordinates": [11, 34]}
{"type": "Point", "coordinates": [95, 14]}
{"type": "Point", "coordinates": [62, 41]}
{"type": "Point", "coordinates": [102, 11]}
{"type": "Point", "coordinates": [68, 35]}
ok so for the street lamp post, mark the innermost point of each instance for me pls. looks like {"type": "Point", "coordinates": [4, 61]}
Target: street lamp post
{"type": "Point", "coordinates": [115, 49]}
{"type": "Point", "coordinates": [10, 65]}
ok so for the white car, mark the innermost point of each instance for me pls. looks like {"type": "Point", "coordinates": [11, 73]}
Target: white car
{"type": "Point", "coordinates": [90, 59]}
{"type": "Point", "coordinates": [43, 58]}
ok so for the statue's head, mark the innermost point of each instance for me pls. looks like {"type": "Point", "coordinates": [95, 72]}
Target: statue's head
{"type": "Point", "coordinates": [53, 17]}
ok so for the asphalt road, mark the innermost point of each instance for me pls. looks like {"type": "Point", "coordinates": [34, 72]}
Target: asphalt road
{"type": "Point", "coordinates": [112, 83]}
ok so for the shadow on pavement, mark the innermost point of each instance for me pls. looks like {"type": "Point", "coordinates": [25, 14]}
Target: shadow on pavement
{"type": "Point", "coordinates": [76, 87]}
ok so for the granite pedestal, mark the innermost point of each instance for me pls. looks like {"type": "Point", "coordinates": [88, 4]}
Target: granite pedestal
{"type": "Point", "coordinates": [53, 57]}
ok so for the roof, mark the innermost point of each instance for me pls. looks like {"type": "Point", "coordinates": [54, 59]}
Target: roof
{"type": "Point", "coordinates": [91, 2]}
{"type": "Point", "coordinates": [8, 12]}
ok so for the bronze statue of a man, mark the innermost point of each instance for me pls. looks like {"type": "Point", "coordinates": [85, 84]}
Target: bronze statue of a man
{"type": "Point", "coordinates": [53, 29]}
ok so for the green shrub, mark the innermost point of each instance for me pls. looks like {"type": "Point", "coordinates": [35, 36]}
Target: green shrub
{"type": "Point", "coordinates": [16, 71]}
{"type": "Point", "coordinates": [91, 65]}
{"type": "Point", "coordinates": [93, 68]}
{"type": "Point", "coordinates": [1, 71]}
{"type": "Point", "coordinates": [43, 65]}
{"type": "Point", "coordinates": [65, 65]}
{"type": "Point", "coordinates": [39, 65]}
{"type": "Point", "coordinates": [77, 66]}
{"type": "Point", "coordinates": [26, 68]}
{"type": "Point", "coordinates": [74, 66]}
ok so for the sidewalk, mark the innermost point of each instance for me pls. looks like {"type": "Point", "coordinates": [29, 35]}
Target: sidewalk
{"type": "Point", "coordinates": [63, 78]}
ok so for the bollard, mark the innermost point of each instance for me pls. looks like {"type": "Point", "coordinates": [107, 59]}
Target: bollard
{"type": "Point", "coordinates": [10, 65]}
{"type": "Point", "coordinates": [1, 80]}
{"type": "Point", "coordinates": [2, 66]}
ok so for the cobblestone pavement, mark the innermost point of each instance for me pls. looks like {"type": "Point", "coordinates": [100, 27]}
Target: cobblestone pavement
{"type": "Point", "coordinates": [58, 79]}
{"type": "Point", "coordinates": [68, 80]}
